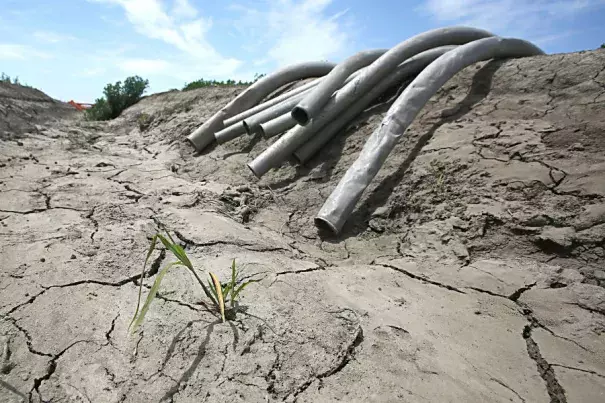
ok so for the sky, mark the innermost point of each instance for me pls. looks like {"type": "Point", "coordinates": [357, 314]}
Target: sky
{"type": "Point", "coordinates": [71, 49]}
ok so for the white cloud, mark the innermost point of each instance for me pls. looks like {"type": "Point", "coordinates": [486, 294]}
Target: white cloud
{"type": "Point", "coordinates": [149, 18]}
{"type": "Point", "coordinates": [52, 37]}
{"type": "Point", "coordinates": [92, 72]}
{"type": "Point", "coordinates": [183, 9]}
{"type": "Point", "coordinates": [20, 52]}
{"type": "Point", "coordinates": [292, 31]}
{"type": "Point", "coordinates": [509, 17]}
{"type": "Point", "coordinates": [144, 66]}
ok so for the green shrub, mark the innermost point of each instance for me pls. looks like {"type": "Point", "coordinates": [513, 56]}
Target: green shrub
{"type": "Point", "coordinates": [4, 78]}
{"type": "Point", "coordinates": [117, 97]}
{"type": "Point", "coordinates": [201, 83]}
{"type": "Point", "coordinates": [603, 46]}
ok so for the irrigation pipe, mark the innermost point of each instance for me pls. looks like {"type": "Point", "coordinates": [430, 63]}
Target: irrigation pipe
{"type": "Point", "coordinates": [279, 151]}
{"type": "Point", "coordinates": [274, 101]}
{"type": "Point", "coordinates": [406, 71]}
{"type": "Point", "coordinates": [204, 135]}
{"type": "Point", "coordinates": [349, 190]}
{"type": "Point", "coordinates": [311, 104]}
{"type": "Point", "coordinates": [276, 126]}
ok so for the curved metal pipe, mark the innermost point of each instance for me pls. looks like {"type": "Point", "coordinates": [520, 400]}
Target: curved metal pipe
{"type": "Point", "coordinates": [204, 135]}
{"type": "Point", "coordinates": [405, 71]}
{"type": "Point", "coordinates": [347, 193]}
{"type": "Point", "coordinates": [261, 107]}
{"type": "Point", "coordinates": [230, 133]}
{"type": "Point", "coordinates": [252, 123]}
{"type": "Point", "coordinates": [276, 126]}
{"type": "Point", "coordinates": [310, 106]}
{"type": "Point", "coordinates": [279, 151]}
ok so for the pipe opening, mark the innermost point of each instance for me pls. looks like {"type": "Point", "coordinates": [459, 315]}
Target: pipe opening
{"type": "Point", "coordinates": [253, 171]}
{"type": "Point", "coordinates": [262, 132]}
{"type": "Point", "coordinates": [325, 225]}
{"type": "Point", "coordinates": [300, 115]}
{"type": "Point", "coordinates": [247, 128]}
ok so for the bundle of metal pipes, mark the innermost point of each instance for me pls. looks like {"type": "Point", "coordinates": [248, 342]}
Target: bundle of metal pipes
{"type": "Point", "coordinates": [312, 114]}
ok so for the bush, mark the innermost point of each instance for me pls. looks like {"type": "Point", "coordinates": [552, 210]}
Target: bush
{"type": "Point", "coordinates": [117, 97]}
{"type": "Point", "coordinates": [201, 83]}
{"type": "Point", "coordinates": [4, 78]}
{"type": "Point", "coordinates": [603, 46]}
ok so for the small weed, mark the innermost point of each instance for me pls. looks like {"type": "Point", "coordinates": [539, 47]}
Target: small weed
{"type": "Point", "coordinates": [219, 294]}
{"type": "Point", "coordinates": [144, 120]}
{"type": "Point", "coordinates": [437, 169]}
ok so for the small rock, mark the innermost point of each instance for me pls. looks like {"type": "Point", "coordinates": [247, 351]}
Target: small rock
{"type": "Point", "coordinates": [599, 275]}
{"type": "Point", "coordinates": [538, 221]}
{"type": "Point", "coordinates": [381, 212]}
{"type": "Point", "coordinates": [72, 257]}
{"type": "Point", "coordinates": [243, 188]}
{"type": "Point", "coordinates": [576, 147]}
{"type": "Point", "coordinates": [43, 260]}
{"type": "Point", "coordinates": [557, 175]}
{"type": "Point", "coordinates": [563, 237]}
{"type": "Point", "coordinates": [376, 226]}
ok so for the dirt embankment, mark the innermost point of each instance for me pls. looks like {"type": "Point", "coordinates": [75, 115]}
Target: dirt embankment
{"type": "Point", "coordinates": [23, 108]}
{"type": "Point", "coordinates": [472, 270]}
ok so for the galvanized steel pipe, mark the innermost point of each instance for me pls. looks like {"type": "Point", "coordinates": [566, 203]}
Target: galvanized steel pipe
{"type": "Point", "coordinates": [274, 101]}
{"type": "Point", "coordinates": [312, 103]}
{"type": "Point", "coordinates": [204, 135]}
{"type": "Point", "coordinates": [405, 71]}
{"type": "Point", "coordinates": [280, 150]}
{"type": "Point", "coordinates": [347, 193]}
{"type": "Point", "coordinates": [276, 126]}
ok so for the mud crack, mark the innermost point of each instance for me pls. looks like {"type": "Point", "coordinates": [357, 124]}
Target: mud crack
{"type": "Point", "coordinates": [421, 278]}
{"type": "Point", "coordinates": [554, 388]}
{"type": "Point", "coordinates": [341, 362]}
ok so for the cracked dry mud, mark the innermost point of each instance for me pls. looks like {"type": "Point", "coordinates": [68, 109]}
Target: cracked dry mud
{"type": "Point", "coordinates": [473, 270]}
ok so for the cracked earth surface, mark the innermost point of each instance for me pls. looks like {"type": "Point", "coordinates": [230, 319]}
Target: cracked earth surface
{"type": "Point", "coordinates": [472, 270]}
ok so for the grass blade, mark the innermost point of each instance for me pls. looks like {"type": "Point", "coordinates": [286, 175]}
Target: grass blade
{"type": "Point", "coordinates": [241, 287]}
{"type": "Point", "coordinates": [154, 240]}
{"type": "Point", "coordinates": [152, 293]}
{"type": "Point", "coordinates": [219, 292]}
{"type": "Point", "coordinates": [233, 282]}
{"type": "Point", "coordinates": [177, 251]}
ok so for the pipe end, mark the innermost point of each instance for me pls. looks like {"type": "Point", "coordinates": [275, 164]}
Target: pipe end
{"type": "Point", "coordinates": [251, 167]}
{"type": "Point", "coordinates": [247, 128]}
{"type": "Point", "coordinates": [324, 225]}
{"type": "Point", "coordinates": [300, 115]}
{"type": "Point", "coordinates": [262, 132]}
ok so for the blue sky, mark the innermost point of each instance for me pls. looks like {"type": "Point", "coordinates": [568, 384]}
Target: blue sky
{"type": "Point", "coordinates": [71, 48]}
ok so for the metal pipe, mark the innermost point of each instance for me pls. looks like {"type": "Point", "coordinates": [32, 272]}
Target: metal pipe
{"type": "Point", "coordinates": [252, 123]}
{"type": "Point", "coordinates": [405, 71]}
{"type": "Point", "coordinates": [310, 106]}
{"type": "Point", "coordinates": [278, 125]}
{"type": "Point", "coordinates": [230, 133]}
{"type": "Point", "coordinates": [260, 107]}
{"type": "Point", "coordinates": [347, 193]}
{"type": "Point", "coordinates": [204, 135]}
{"type": "Point", "coordinates": [280, 150]}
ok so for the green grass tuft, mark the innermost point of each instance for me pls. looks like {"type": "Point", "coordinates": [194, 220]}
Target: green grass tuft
{"type": "Point", "coordinates": [220, 294]}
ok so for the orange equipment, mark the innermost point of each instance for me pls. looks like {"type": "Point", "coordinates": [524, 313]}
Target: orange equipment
{"type": "Point", "coordinates": [79, 106]}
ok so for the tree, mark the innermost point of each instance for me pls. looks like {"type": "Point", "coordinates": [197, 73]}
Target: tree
{"type": "Point", "coordinates": [117, 98]}
{"type": "Point", "coordinates": [603, 46]}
